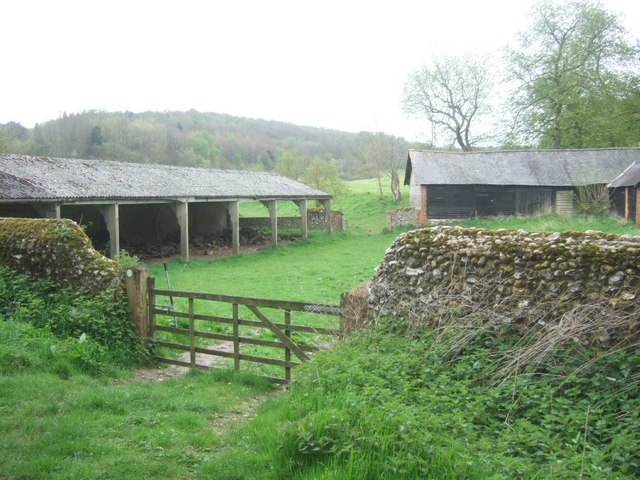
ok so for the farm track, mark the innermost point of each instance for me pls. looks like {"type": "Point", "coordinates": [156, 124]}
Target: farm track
{"type": "Point", "coordinates": [158, 374]}
{"type": "Point", "coordinates": [226, 421]}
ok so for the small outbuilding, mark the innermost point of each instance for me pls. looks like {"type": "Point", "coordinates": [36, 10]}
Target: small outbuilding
{"type": "Point", "coordinates": [483, 183]}
{"type": "Point", "coordinates": [626, 192]}
{"type": "Point", "coordinates": [143, 202]}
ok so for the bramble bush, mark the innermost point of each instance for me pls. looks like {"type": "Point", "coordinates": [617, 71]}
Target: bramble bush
{"type": "Point", "coordinates": [91, 330]}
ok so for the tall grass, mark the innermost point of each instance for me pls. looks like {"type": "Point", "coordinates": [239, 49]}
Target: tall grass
{"type": "Point", "coordinates": [556, 223]}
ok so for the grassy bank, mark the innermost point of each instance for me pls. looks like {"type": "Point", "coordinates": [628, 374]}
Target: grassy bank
{"type": "Point", "coordinates": [390, 406]}
{"type": "Point", "coordinates": [556, 223]}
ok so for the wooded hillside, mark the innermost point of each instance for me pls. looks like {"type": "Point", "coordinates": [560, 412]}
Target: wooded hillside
{"type": "Point", "coordinates": [197, 139]}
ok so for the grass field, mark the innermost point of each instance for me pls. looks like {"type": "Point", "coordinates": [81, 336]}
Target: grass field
{"type": "Point", "coordinates": [374, 407]}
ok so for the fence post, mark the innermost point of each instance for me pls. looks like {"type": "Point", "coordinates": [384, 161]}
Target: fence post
{"type": "Point", "coordinates": [236, 338]}
{"type": "Point", "coordinates": [192, 333]}
{"type": "Point", "coordinates": [151, 289]}
{"type": "Point", "coordinates": [137, 297]}
{"type": "Point", "coordinates": [287, 351]}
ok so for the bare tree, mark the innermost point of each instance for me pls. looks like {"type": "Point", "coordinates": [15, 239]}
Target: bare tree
{"type": "Point", "coordinates": [384, 153]}
{"type": "Point", "coordinates": [450, 93]}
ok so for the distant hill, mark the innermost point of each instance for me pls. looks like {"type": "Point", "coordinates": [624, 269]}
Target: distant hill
{"type": "Point", "coordinates": [189, 138]}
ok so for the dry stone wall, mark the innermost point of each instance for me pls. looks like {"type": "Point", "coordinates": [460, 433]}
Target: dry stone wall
{"type": "Point", "coordinates": [402, 217]}
{"type": "Point", "coordinates": [517, 276]}
{"type": "Point", "coordinates": [316, 218]}
{"type": "Point", "coordinates": [58, 250]}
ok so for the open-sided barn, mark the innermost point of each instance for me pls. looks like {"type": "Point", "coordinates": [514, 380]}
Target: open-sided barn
{"type": "Point", "coordinates": [142, 202]}
{"type": "Point", "coordinates": [483, 183]}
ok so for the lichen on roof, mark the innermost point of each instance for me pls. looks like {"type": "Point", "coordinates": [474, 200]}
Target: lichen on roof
{"type": "Point", "coordinates": [25, 177]}
{"type": "Point", "coordinates": [560, 168]}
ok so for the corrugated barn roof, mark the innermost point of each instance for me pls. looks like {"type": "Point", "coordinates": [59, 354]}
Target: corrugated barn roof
{"type": "Point", "coordinates": [43, 178]}
{"type": "Point", "coordinates": [629, 178]}
{"type": "Point", "coordinates": [532, 168]}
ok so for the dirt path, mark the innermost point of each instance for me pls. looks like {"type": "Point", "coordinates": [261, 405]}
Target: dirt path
{"type": "Point", "coordinates": [227, 420]}
{"type": "Point", "coordinates": [171, 371]}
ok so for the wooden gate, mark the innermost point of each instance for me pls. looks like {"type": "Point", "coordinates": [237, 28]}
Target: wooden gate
{"type": "Point", "coordinates": [185, 323]}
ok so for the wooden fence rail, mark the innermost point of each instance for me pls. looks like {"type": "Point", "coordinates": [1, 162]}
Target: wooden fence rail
{"type": "Point", "coordinates": [282, 331]}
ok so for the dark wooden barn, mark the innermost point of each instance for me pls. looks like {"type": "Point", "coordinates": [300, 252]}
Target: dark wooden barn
{"type": "Point", "coordinates": [143, 203]}
{"type": "Point", "coordinates": [483, 183]}
{"type": "Point", "coordinates": [626, 192]}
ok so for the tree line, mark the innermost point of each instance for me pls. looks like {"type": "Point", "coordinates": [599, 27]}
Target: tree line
{"type": "Point", "coordinates": [317, 156]}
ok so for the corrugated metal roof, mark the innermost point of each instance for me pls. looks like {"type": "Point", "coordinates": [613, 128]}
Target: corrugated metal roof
{"type": "Point", "coordinates": [43, 178]}
{"type": "Point", "coordinates": [532, 168]}
{"type": "Point", "coordinates": [629, 178]}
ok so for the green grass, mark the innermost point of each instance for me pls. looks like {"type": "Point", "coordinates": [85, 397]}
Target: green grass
{"type": "Point", "coordinates": [556, 223]}
{"type": "Point", "coordinates": [316, 270]}
{"type": "Point", "coordinates": [89, 428]}
{"type": "Point", "coordinates": [365, 211]}
{"type": "Point", "coordinates": [386, 405]}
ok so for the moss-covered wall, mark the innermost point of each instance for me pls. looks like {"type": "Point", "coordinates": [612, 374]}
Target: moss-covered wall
{"type": "Point", "coordinates": [429, 271]}
{"type": "Point", "coordinates": [58, 250]}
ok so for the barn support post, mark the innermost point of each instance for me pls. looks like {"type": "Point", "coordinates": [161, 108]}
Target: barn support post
{"type": "Point", "coordinates": [182, 215]}
{"type": "Point", "coordinates": [423, 215]}
{"type": "Point", "coordinates": [47, 210]}
{"type": "Point", "coordinates": [626, 203]}
{"type": "Point", "coordinates": [327, 215]}
{"type": "Point", "coordinates": [304, 225]}
{"type": "Point", "coordinates": [111, 214]}
{"type": "Point", "coordinates": [273, 216]}
{"type": "Point", "coordinates": [234, 215]}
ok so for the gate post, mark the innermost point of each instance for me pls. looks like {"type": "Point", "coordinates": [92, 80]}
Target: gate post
{"type": "Point", "coordinates": [138, 299]}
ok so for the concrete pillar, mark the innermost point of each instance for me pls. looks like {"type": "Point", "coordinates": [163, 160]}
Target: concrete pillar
{"type": "Point", "coordinates": [304, 227]}
{"type": "Point", "coordinates": [47, 210]}
{"type": "Point", "coordinates": [327, 215]}
{"type": "Point", "coordinates": [234, 215]}
{"type": "Point", "coordinates": [111, 214]}
{"type": "Point", "coordinates": [182, 215]}
{"type": "Point", "coordinates": [273, 216]}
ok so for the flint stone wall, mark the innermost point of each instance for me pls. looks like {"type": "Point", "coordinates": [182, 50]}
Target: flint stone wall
{"type": "Point", "coordinates": [56, 249]}
{"type": "Point", "coordinates": [316, 218]}
{"type": "Point", "coordinates": [402, 217]}
{"type": "Point", "coordinates": [505, 270]}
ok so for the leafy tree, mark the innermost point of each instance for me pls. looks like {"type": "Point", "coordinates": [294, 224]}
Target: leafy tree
{"type": "Point", "coordinates": [575, 86]}
{"type": "Point", "coordinates": [95, 137]}
{"type": "Point", "coordinates": [290, 164]}
{"type": "Point", "coordinates": [202, 150]}
{"type": "Point", "coordinates": [323, 175]}
{"type": "Point", "coordinates": [450, 93]}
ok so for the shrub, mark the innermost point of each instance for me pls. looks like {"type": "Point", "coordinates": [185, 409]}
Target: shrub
{"type": "Point", "coordinates": [592, 200]}
{"type": "Point", "coordinates": [96, 325]}
{"type": "Point", "coordinates": [386, 405]}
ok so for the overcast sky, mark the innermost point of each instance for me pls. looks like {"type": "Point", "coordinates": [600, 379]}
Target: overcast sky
{"type": "Point", "coordinates": [333, 64]}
